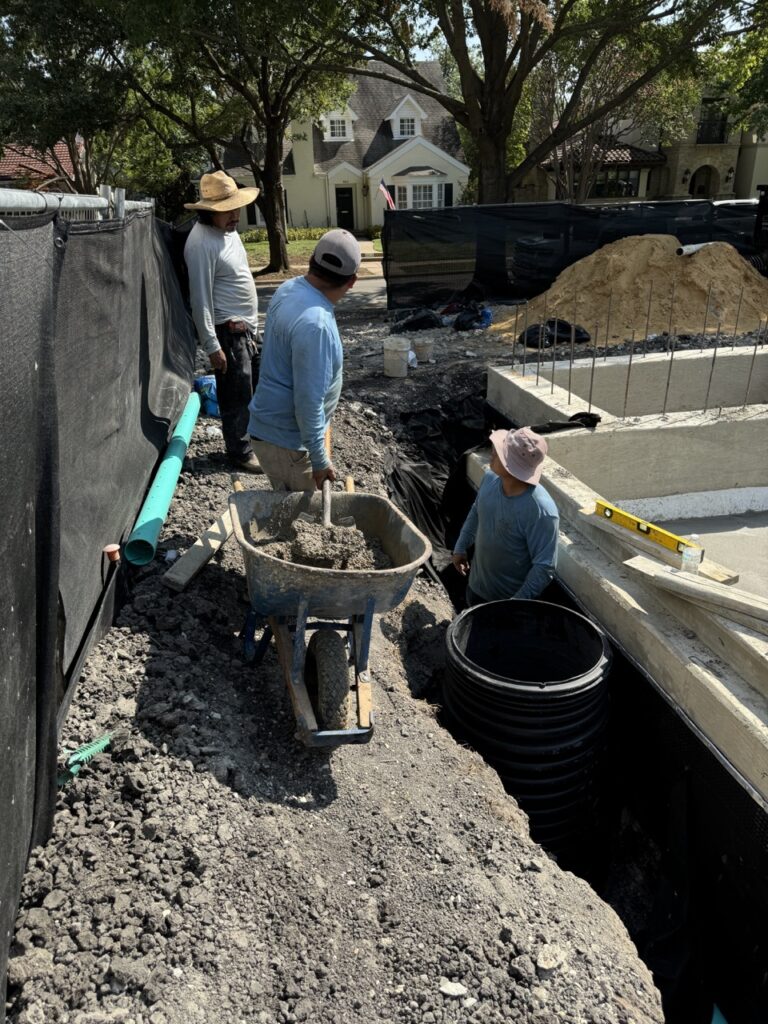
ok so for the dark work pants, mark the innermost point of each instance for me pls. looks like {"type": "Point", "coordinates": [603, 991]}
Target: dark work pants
{"type": "Point", "coordinates": [234, 389]}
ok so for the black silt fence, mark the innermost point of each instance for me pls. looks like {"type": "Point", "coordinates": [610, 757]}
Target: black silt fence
{"type": "Point", "coordinates": [98, 363]}
{"type": "Point", "coordinates": [516, 251]}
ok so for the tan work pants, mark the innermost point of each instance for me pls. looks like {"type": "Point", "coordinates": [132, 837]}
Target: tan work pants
{"type": "Point", "coordinates": [286, 470]}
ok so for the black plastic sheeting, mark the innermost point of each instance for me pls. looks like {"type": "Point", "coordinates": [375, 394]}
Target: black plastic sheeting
{"type": "Point", "coordinates": [98, 363]}
{"type": "Point", "coordinates": [516, 251]}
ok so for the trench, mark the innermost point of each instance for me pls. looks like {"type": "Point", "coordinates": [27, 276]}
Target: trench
{"type": "Point", "coordinates": [677, 846]}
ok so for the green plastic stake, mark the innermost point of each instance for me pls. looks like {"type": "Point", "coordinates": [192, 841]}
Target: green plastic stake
{"type": "Point", "coordinates": [141, 545]}
{"type": "Point", "coordinates": [80, 757]}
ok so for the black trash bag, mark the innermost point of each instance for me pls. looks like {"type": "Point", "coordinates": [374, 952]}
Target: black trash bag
{"type": "Point", "coordinates": [551, 333]}
{"type": "Point", "coordinates": [416, 320]}
{"type": "Point", "coordinates": [469, 318]}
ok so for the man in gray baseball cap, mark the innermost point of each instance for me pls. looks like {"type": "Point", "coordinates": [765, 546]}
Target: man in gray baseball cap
{"type": "Point", "coordinates": [301, 368]}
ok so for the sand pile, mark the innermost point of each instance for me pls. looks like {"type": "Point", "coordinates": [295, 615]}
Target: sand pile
{"type": "Point", "coordinates": [624, 275]}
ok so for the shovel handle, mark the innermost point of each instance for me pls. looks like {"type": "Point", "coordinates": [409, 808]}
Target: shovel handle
{"type": "Point", "coordinates": [326, 502]}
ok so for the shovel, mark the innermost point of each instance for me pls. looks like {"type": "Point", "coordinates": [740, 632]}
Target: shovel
{"type": "Point", "coordinates": [325, 518]}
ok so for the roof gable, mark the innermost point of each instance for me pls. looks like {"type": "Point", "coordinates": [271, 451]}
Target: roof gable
{"type": "Point", "coordinates": [374, 101]}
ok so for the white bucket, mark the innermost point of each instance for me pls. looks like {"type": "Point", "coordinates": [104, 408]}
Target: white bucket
{"type": "Point", "coordinates": [396, 351]}
{"type": "Point", "coordinates": [423, 349]}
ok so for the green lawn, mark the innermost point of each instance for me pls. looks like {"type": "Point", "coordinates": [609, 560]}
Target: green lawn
{"type": "Point", "coordinates": [298, 252]}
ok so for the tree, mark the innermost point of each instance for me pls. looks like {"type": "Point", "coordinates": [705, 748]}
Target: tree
{"type": "Point", "coordinates": [262, 60]}
{"type": "Point", "coordinates": [514, 38]}
{"type": "Point", "coordinates": [658, 113]}
{"type": "Point", "coordinates": [738, 69]}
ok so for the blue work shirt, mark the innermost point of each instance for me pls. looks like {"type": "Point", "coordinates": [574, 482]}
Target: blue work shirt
{"type": "Point", "coordinates": [300, 372]}
{"type": "Point", "coordinates": [515, 541]}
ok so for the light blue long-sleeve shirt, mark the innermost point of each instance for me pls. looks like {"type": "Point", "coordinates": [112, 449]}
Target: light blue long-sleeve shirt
{"type": "Point", "coordinates": [300, 373]}
{"type": "Point", "coordinates": [515, 541]}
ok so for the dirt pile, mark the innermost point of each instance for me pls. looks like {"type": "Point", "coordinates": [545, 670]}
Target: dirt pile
{"type": "Point", "coordinates": [615, 286]}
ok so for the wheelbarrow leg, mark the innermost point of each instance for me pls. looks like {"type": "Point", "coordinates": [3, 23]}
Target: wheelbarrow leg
{"type": "Point", "coordinates": [362, 627]}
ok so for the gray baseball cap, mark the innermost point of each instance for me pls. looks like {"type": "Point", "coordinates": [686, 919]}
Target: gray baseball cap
{"type": "Point", "coordinates": [339, 251]}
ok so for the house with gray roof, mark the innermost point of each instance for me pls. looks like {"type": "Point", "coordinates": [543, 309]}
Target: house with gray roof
{"type": "Point", "coordinates": [387, 135]}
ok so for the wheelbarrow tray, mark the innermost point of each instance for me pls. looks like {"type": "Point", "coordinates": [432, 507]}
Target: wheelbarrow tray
{"type": "Point", "coordinates": [277, 587]}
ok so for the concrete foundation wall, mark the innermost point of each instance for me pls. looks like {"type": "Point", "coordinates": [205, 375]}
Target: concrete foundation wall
{"type": "Point", "coordinates": [688, 381]}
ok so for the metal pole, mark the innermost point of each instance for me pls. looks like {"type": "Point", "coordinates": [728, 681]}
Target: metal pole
{"type": "Point", "coordinates": [671, 316]}
{"type": "Point", "coordinates": [119, 196]}
{"type": "Point", "coordinates": [629, 373]}
{"type": "Point", "coordinates": [706, 317]}
{"type": "Point", "coordinates": [752, 364]}
{"type": "Point", "coordinates": [648, 320]}
{"type": "Point", "coordinates": [514, 336]}
{"type": "Point", "coordinates": [525, 337]}
{"type": "Point", "coordinates": [669, 378]}
{"type": "Point", "coordinates": [712, 368]}
{"type": "Point", "coordinates": [554, 352]}
{"type": "Point", "coordinates": [608, 325]}
{"type": "Point", "coordinates": [570, 364]}
{"type": "Point", "coordinates": [542, 328]}
{"type": "Point", "coordinates": [738, 314]}
{"type": "Point", "coordinates": [592, 374]}
{"type": "Point", "coordinates": [106, 193]}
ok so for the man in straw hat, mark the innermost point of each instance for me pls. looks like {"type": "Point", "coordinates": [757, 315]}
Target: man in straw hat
{"type": "Point", "coordinates": [301, 368]}
{"type": "Point", "coordinates": [513, 523]}
{"type": "Point", "coordinates": [225, 306]}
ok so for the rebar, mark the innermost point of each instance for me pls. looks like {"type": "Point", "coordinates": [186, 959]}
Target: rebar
{"type": "Point", "coordinates": [554, 352]}
{"type": "Point", "coordinates": [648, 320]}
{"type": "Point", "coordinates": [712, 368]}
{"type": "Point", "coordinates": [592, 374]}
{"type": "Point", "coordinates": [706, 317]}
{"type": "Point", "coordinates": [525, 337]}
{"type": "Point", "coordinates": [570, 364]}
{"type": "Point", "coordinates": [671, 317]}
{"type": "Point", "coordinates": [738, 314]}
{"type": "Point", "coordinates": [608, 325]}
{"type": "Point", "coordinates": [669, 378]}
{"type": "Point", "coordinates": [752, 364]}
{"type": "Point", "coordinates": [514, 336]}
{"type": "Point", "coordinates": [538, 355]}
{"type": "Point", "coordinates": [629, 373]}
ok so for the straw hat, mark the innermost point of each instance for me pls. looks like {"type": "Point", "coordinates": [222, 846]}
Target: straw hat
{"type": "Point", "coordinates": [219, 193]}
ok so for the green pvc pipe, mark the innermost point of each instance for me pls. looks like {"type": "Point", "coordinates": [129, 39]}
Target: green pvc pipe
{"type": "Point", "coordinates": [141, 545]}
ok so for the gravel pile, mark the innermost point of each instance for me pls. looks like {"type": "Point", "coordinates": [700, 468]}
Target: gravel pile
{"type": "Point", "coordinates": [209, 868]}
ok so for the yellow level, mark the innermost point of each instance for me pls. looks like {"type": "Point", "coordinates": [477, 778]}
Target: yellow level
{"type": "Point", "coordinates": [629, 522]}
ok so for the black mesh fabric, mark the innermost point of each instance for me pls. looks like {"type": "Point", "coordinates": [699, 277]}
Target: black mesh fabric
{"type": "Point", "coordinates": [98, 363]}
{"type": "Point", "coordinates": [517, 250]}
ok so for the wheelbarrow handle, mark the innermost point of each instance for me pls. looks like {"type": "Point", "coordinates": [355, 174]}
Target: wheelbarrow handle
{"type": "Point", "coordinates": [326, 502]}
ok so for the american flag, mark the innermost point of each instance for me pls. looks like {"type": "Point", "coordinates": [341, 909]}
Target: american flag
{"type": "Point", "coordinates": [385, 192]}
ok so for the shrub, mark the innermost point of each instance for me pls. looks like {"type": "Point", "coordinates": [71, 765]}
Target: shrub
{"type": "Point", "coordinates": [292, 234]}
{"type": "Point", "coordinates": [374, 231]}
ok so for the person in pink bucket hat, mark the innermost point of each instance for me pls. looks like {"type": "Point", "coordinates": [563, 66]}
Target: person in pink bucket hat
{"type": "Point", "coordinates": [513, 523]}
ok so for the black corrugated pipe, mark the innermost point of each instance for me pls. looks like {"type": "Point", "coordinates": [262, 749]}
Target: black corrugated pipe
{"type": "Point", "coordinates": [526, 686]}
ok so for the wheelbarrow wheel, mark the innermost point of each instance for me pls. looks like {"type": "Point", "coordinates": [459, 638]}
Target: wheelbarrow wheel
{"type": "Point", "coordinates": [329, 672]}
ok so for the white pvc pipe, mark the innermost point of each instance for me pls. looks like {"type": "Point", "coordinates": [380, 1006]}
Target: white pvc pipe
{"type": "Point", "coordinates": [688, 250]}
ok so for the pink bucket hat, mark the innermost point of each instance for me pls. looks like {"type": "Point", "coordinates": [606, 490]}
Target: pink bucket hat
{"type": "Point", "coordinates": [521, 452]}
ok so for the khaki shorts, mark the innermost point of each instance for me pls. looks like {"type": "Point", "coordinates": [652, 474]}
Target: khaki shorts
{"type": "Point", "coordinates": [286, 470]}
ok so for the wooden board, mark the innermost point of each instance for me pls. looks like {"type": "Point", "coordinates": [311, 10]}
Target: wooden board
{"type": "Point", "coordinates": [202, 551]}
{"type": "Point", "coordinates": [714, 596]}
{"type": "Point", "coordinates": [709, 569]}
{"type": "Point", "coordinates": [297, 690]}
{"type": "Point", "coordinates": [364, 702]}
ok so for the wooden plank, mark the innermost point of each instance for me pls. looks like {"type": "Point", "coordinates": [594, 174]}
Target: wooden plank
{"type": "Point", "coordinates": [202, 551]}
{"type": "Point", "coordinates": [746, 620]}
{"type": "Point", "coordinates": [303, 711]}
{"type": "Point", "coordinates": [714, 596]}
{"type": "Point", "coordinates": [364, 702]}
{"type": "Point", "coordinates": [709, 569]}
{"type": "Point", "coordinates": [746, 653]}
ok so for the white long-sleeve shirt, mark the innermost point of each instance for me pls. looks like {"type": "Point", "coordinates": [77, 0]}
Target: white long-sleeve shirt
{"type": "Point", "coordinates": [221, 284]}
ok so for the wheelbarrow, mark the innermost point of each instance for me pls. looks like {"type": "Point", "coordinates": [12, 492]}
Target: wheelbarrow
{"type": "Point", "coordinates": [335, 606]}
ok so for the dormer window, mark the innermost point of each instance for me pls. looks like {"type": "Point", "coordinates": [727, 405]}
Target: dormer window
{"type": "Point", "coordinates": [337, 128]}
{"type": "Point", "coordinates": [338, 125]}
{"type": "Point", "coordinates": [406, 119]}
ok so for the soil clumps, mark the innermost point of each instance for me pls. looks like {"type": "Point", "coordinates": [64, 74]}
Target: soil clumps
{"type": "Point", "coordinates": [326, 547]}
{"type": "Point", "coordinates": [615, 286]}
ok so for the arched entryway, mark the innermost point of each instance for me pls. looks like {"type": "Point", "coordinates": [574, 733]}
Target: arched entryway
{"type": "Point", "coordinates": [705, 183]}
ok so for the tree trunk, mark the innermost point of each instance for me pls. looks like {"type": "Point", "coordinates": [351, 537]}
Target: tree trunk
{"type": "Point", "coordinates": [271, 199]}
{"type": "Point", "coordinates": [490, 257]}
